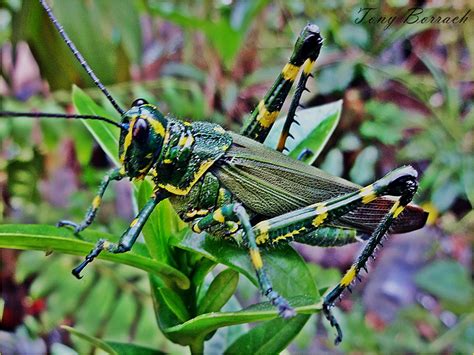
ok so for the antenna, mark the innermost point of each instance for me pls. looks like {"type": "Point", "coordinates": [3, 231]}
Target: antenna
{"type": "Point", "coordinates": [59, 115]}
{"type": "Point", "coordinates": [80, 58]}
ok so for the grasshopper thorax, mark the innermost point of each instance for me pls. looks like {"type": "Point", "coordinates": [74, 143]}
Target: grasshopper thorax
{"type": "Point", "coordinates": [141, 138]}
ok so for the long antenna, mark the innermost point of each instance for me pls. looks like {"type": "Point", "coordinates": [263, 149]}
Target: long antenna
{"type": "Point", "coordinates": [79, 57]}
{"type": "Point", "coordinates": [59, 115]}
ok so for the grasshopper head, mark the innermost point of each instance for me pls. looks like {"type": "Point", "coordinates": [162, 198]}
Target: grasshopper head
{"type": "Point", "coordinates": [141, 138]}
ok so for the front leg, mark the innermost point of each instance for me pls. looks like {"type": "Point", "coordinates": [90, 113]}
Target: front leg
{"type": "Point", "coordinates": [114, 174]}
{"type": "Point", "coordinates": [128, 238]}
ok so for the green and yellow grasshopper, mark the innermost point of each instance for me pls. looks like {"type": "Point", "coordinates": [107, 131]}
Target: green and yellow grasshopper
{"type": "Point", "coordinates": [233, 187]}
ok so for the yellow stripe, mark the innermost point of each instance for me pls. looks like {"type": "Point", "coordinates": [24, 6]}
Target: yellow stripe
{"type": "Point", "coordinates": [196, 228]}
{"type": "Point", "coordinates": [218, 216]}
{"type": "Point", "coordinates": [322, 214]}
{"type": "Point", "coordinates": [396, 209]}
{"type": "Point", "coordinates": [308, 66]}
{"type": "Point", "coordinates": [288, 235]}
{"type": "Point", "coordinates": [256, 259]}
{"type": "Point", "coordinates": [134, 222]}
{"type": "Point", "coordinates": [368, 194]}
{"type": "Point", "coordinates": [265, 117]}
{"type": "Point", "coordinates": [184, 191]}
{"type": "Point", "coordinates": [156, 125]}
{"type": "Point", "coordinates": [349, 276]}
{"type": "Point", "coordinates": [232, 227]}
{"type": "Point", "coordinates": [96, 202]}
{"type": "Point", "coordinates": [194, 213]}
{"type": "Point", "coordinates": [128, 139]}
{"type": "Point", "coordinates": [182, 141]}
{"type": "Point", "coordinates": [290, 71]}
{"type": "Point", "coordinates": [262, 232]}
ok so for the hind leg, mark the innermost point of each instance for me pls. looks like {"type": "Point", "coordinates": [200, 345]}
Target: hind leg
{"type": "Point", "coordinates": [305, 52]}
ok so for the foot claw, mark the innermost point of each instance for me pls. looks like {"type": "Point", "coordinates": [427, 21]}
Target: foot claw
{"type": "Point", "coordinates": [89, 258]}
{"type": "Point", "coordinates": [77, 271]}
{"type": "Point", "coordinates": [332, 320]}
{"type": "Point", "coordinates": [286, 312]}
{"type": "Point", "coordinates": [77, 228]}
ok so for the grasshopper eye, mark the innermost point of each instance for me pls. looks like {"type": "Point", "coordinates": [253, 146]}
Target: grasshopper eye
{"type": "Point", "coordinates": [140, 130]}
{"type": "Point", "coordinates": [139, 102]}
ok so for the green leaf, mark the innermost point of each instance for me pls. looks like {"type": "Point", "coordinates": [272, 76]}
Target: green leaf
{"type": "Point", "coordinates": [336, 77]}
{"type": "Point", "coordinates": [49, 238]}
{"type": "Point", "coordinates": [197, 327]}
{"type": "Point", "coordinates": [363, 170]}
{"type": "Point", "coordinates": [174, 302]}
{"type": "Point", "coordinates": [285, 268]}
{"type": "Point", "coordinates": [226, 34]}
{"type": "Point", "coordinates": [316, 127]}
{"type": "Point", "coordinates": [446, 279]}
{"type": "Point", "coordinates": [130, 349]}
{"type": "Point", "coordinates": [92, 340]}
{"type": "Point", "coordinates": [162, 223]}
{"type": "Point", "coordinates": [388, 123]}
{"type": "Point", "coordinates": [168, 311]}
{"type": "Point", "coordinates": [334, 162]}
{"type": "Point", "coordinates": [219, 292]}
{"type": "Point", "coordinates": [273, 338]}
{"type": "Point", "coordinates": [104, 133]}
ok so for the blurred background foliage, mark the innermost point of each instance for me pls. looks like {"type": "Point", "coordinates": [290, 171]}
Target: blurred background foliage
{"type": "Point", "coordinates": [407, 93]}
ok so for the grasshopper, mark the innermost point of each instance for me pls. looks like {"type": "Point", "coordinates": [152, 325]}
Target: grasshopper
{"type": "Point", "coordinates": [233, 187]}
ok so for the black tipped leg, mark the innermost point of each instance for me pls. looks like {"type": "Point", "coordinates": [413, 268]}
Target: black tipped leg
{"type": "Point", "coordinates": [332, 320]}
{"type": "Point", "coordinates": [89, 258]}
{"type": "Point", "coordinates": [76, 227]}
{"type": "Point", "coordinates": [285, 311]}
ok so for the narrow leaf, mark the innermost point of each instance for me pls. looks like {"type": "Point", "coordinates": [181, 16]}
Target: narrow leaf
{"type": "Point", "coordinates": [92, 340]}
{"type": "Point", "coordinates": [197, 327]}
{"type": "Point", "coordinates": [49, 238]}
{"type": "Point", "coordinates": [175, 303]}
{"type": "Point", "coordinates": [104, 133]}
{"type": "Point", "coordinates": [272, 338]}
{"type": "Point", "coordinates": [131, 349]}
{"type": "Point", "coordinates": [219, 292]}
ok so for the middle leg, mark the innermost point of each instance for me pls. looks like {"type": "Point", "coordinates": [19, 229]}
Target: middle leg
{"type": "Point", "coordinates": [235, 212]}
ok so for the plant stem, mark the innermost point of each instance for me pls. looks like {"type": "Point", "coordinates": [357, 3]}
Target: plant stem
{"type": "Point", "coordinates": [197, 347]}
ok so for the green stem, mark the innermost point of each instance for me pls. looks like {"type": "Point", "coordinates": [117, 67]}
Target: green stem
{"type": "Point", "coordinates": [197, 347]}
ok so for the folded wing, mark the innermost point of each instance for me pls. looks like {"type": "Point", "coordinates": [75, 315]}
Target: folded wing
{"type": "Point", "coordinates": [271, 184]}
